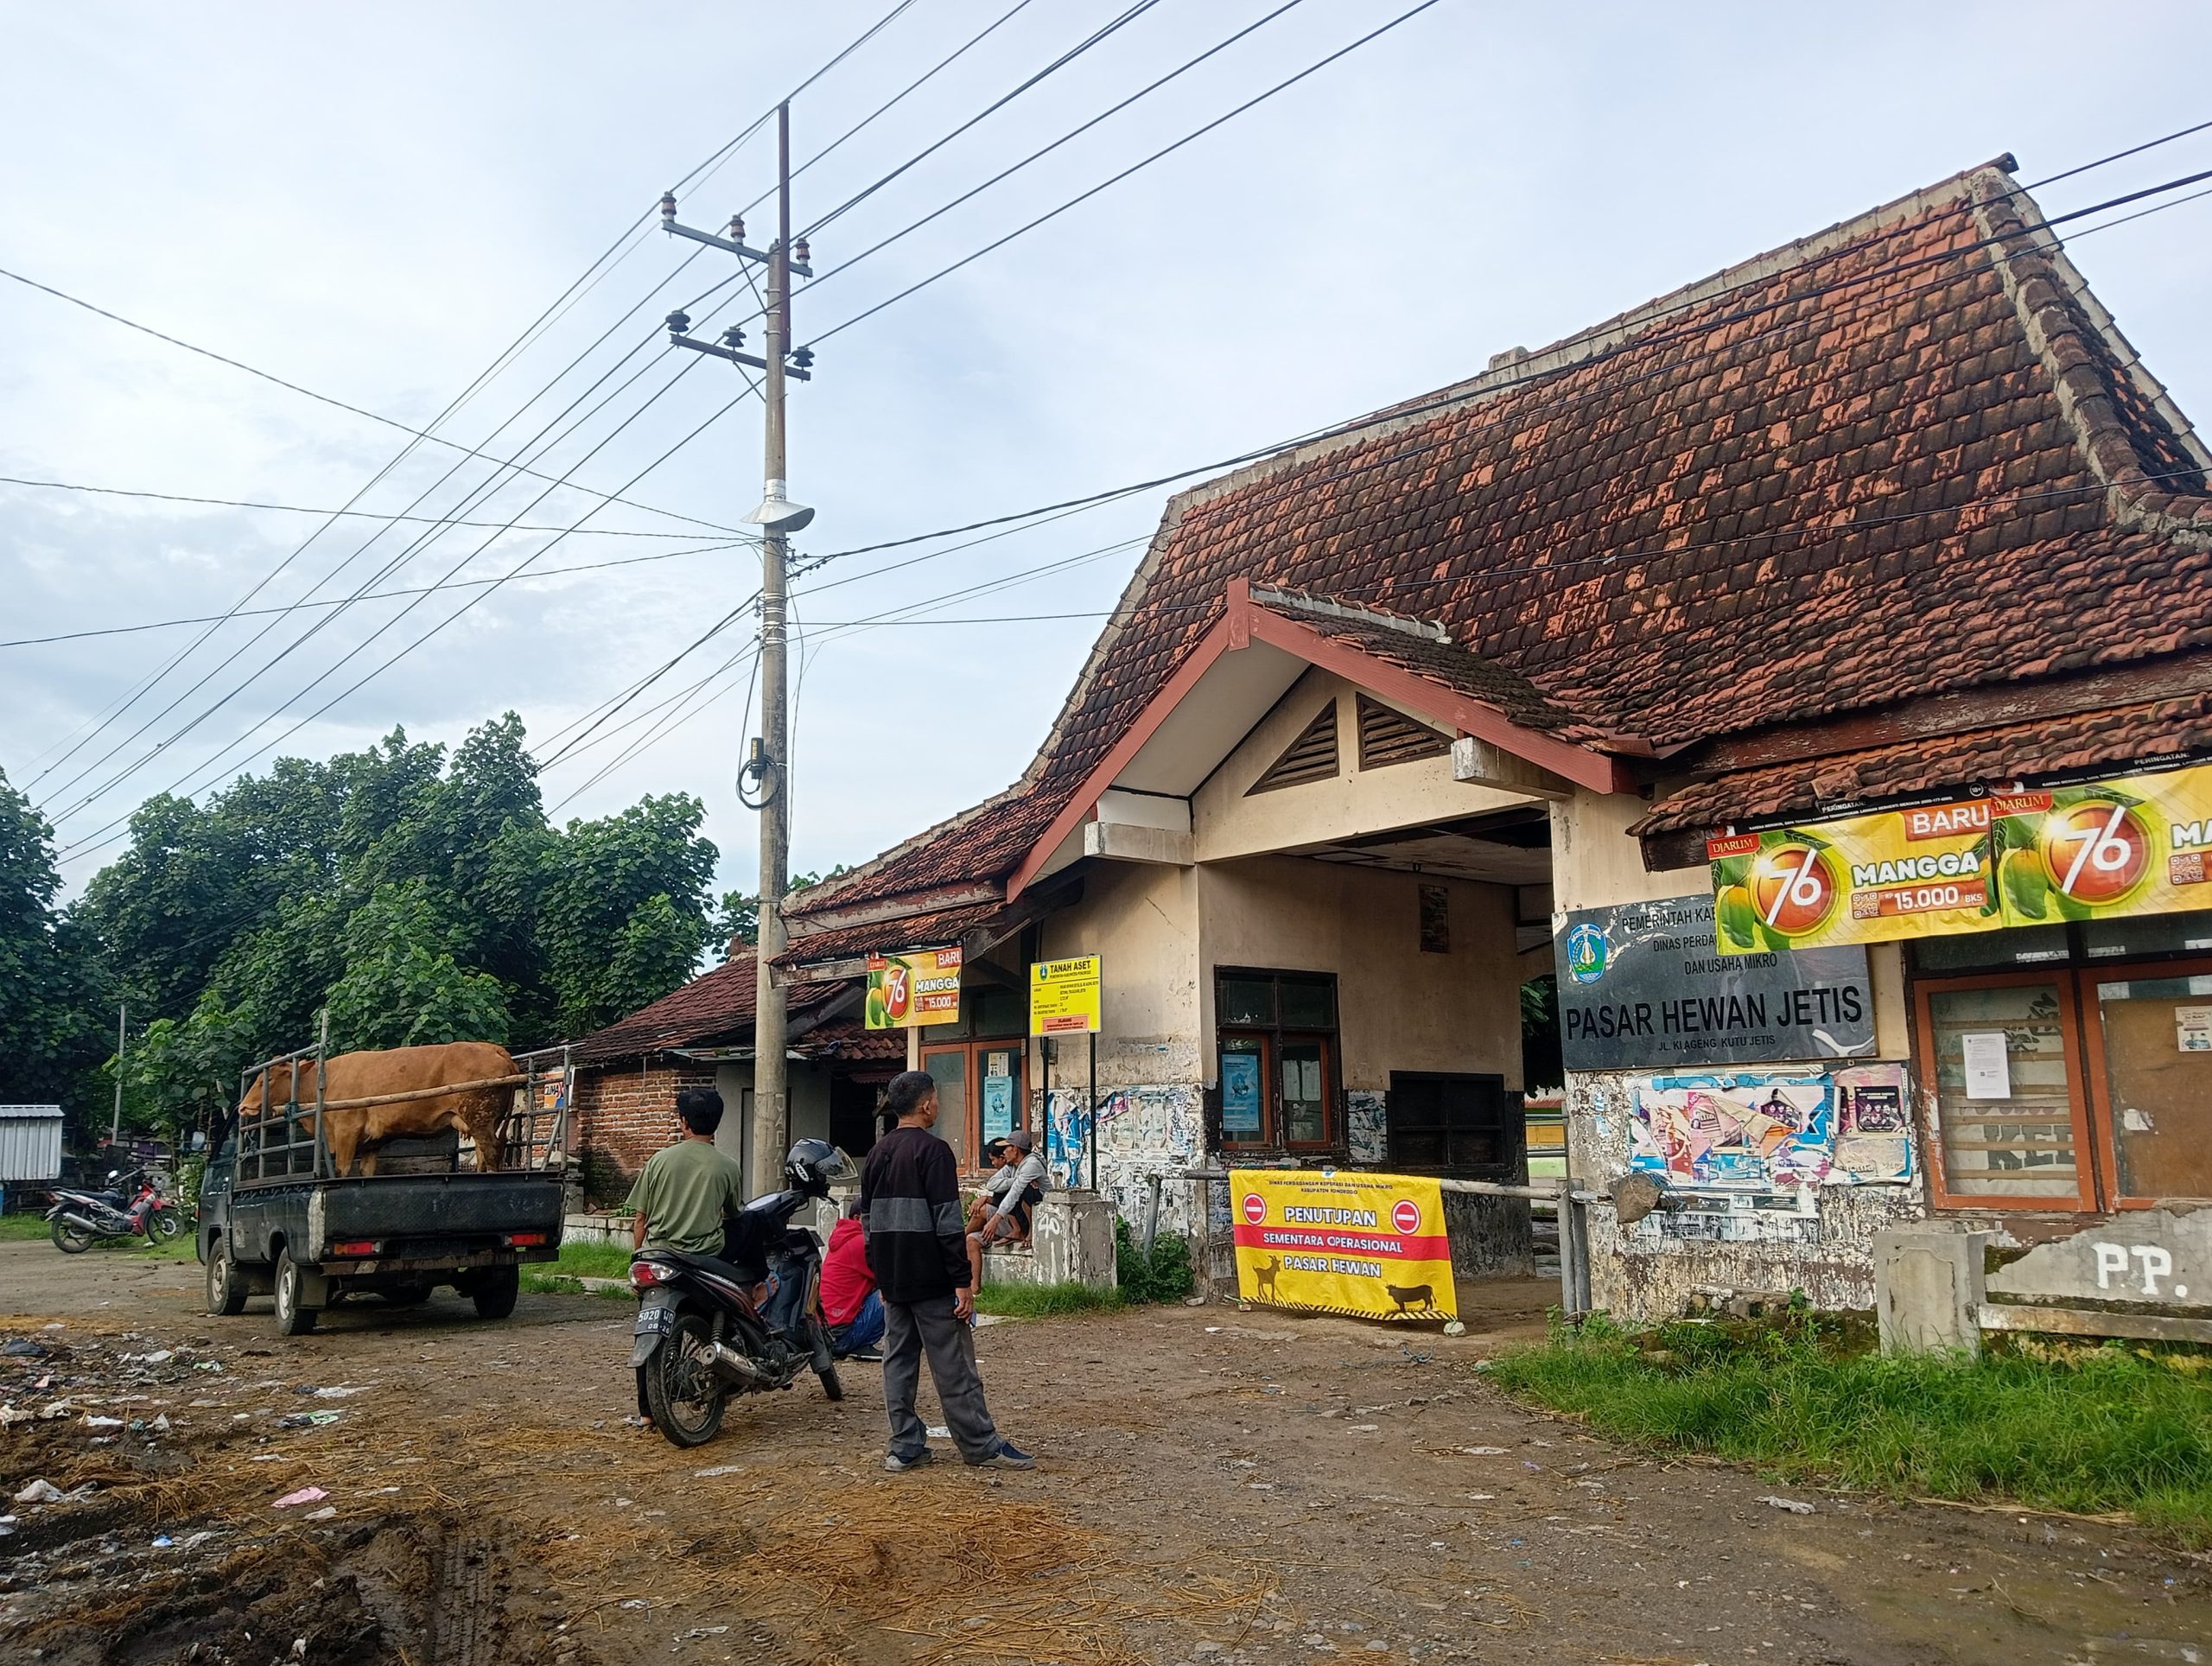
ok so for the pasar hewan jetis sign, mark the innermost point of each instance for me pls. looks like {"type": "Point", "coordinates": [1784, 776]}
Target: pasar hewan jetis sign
{"type": "Point", "coordinates": [2134, 844]}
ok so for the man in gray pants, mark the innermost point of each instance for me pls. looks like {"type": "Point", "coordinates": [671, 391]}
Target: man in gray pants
{"type": "Point", "coordinates": [917, 1249]}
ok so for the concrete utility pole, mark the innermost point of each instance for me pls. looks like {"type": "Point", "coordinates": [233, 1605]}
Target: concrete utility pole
{"type": "Point", "coordinates": [764, 779]}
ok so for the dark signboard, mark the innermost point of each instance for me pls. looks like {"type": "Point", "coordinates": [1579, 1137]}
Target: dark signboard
{"type": "Point", "coordinates": [1643, 986]}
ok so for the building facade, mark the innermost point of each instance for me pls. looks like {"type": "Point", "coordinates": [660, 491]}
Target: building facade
{"type": "Point", "coordinates": [1567, 667]}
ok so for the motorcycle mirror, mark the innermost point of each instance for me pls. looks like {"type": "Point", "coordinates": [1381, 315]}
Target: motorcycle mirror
{"type": "Point", "coordinates": [114, 1173]}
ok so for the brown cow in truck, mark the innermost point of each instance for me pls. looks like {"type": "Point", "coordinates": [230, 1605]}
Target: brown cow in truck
{"type": "Point", "coordinates": [477, 1112]}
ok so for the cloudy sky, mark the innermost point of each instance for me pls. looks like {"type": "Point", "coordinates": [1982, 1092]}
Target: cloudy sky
{"type": "Point", "coordinates": [372, 202]}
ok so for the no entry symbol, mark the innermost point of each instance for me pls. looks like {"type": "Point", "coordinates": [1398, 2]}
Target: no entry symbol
{"type": "Point", "coordinates": [1406, 1217]}
{"type": "Point", "coordinates": [1255, 1208]}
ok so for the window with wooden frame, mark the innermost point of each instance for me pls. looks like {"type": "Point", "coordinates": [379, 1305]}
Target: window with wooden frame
{"type": "Point", "coordinates": [1437, 1119]}
{"type": "Point", "coordinates": [2010, 1125]}
{"type": "Point", "coordinates": [1310, 757]}
{"type": "Point", "coordinates": [1277, 1057]}
{"type": "Point", "coordinates": [1387, 736]}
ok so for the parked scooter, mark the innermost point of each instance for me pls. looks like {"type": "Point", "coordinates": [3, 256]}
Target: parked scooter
{"type": "Point", "coordinates": [705, 1330]}
{"type": "Point", "coordinates": [79, 1219]}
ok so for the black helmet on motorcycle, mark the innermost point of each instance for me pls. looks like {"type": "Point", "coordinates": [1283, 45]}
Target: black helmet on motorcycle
{"type": "Point", "coordinates": [814, 1166]}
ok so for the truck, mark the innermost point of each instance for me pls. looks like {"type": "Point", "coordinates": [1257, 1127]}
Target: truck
{"type": "Point", "coordinates": [275, 1219]}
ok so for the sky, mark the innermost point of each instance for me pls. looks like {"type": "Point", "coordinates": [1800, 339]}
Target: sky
{"type": "Point", "coordinates": [373, 203]}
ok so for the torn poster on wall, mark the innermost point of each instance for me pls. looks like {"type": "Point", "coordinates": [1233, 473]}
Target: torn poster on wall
{"type": "Point", "coordinates": [1772, 1131]}
{"type": "Point", "coordinates": [1735, 1218]}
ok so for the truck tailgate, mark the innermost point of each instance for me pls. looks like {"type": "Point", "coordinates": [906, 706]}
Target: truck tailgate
{"type": "Point", "coordinates": [418, 1215]}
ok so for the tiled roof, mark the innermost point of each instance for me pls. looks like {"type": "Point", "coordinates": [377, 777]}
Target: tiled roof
{"type": "Point", "coordinates": [851, 1040]}
{"type": "Point", "coordinates": [1888, 460]}
{"type": "Point", "coordinates": [946, 926]}
{"type": "Point", "coordinates": [2152, 730]}
{"type": "Point", "coordinates": [709, 1005]}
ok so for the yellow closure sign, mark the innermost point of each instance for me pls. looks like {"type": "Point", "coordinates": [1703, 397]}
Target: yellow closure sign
{"type": "Point", "coordinates": [1064, 997]}
{"type": "Point", "coordinates": [1370, 1245]}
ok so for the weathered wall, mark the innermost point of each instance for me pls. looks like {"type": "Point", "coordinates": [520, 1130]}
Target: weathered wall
{"type": "Point", "coordinates": [1650, 1272]}
{"type": "Point", "coordinates": [1143, 920]}
{"type": "Point", "coordinates": [1653, 1269]}
{"type": "Point", "coordinates": [808, 1087]}
{"type": "Point", "coordinates": [1226, 823]}
{"type": "Point", "coordinates": [1397, 1007]}
{"type": "Point", "coordinates": [623, 1114]}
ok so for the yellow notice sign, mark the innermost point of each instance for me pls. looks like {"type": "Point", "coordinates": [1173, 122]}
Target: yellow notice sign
{"type": "Point", "coordinates": [1370, 1245]}
{"type": "Point", "coordinates": [1064, 997]}
{"type": "Point", "coordinates": [2136, 844]}
{"type": "Point", "coordinates": [921, 986]}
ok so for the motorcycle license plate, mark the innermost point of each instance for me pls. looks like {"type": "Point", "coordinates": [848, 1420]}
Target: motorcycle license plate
{"type": "Point", "coordinates": [654, 1321]}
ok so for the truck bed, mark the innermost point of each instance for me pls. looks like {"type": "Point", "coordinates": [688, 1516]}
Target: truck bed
{"type": "Point", "coordinates": [388, 1223]}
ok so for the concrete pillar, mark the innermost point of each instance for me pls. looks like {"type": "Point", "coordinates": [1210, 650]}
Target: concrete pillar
{"type": "Point", "coordinates": [1928, 1283]}
{"type": "Point", "coordinates": [1073, 1235]}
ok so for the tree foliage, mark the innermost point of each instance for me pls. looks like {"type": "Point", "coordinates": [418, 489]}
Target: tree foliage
{"type": "Point", "coordinates": [54, 1013]}
{"type": "Point", "coordinates": [419, 895]}
{"type": "Point", "coordinates": [739, 918]}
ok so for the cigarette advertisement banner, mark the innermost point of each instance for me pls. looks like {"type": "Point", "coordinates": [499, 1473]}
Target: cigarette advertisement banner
{"type": "Point", "coordinates": [1370, 1245]}
{"type": "Point", "coordinates": [2132, 845]}
{"type": "Point", "coordinates": [1064, 997]}
{"type": "Point", "coordinates": [921, 986]}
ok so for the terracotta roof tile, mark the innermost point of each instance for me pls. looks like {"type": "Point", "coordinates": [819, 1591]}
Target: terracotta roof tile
{"type": "Point", "coordinates": [709, 1005]}
{"type": "Point", "coordinates": [946, 926]}
{"type": "Point", "coordinates": [1845, 475]}
{"type": "Point", "coordinates": [2147, 731]}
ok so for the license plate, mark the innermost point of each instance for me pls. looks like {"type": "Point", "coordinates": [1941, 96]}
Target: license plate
{"type": "Point", "coordinates": [654, 1321]}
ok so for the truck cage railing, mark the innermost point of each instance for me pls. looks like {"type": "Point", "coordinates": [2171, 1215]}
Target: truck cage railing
{"type": "Point", "coordinates": [285, 1140]}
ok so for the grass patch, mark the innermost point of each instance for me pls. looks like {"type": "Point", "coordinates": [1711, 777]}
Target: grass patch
{"type": "Point", "coordinates": [1046, 1300]}
{"type": "Point", "coordinates": [15, 1229]}
{"type": "Point", "coordinates": [580, 1259]}
{"type": "Point", "coordinates": [2093, 1430]}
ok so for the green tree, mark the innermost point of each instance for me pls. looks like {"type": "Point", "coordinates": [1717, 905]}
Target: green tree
{"type": "Point", "coordinates": [738, 921]}
{"type": "Point", "coordinates": [182, 1073]}
{"type": "Point", "coordinates": [593, 882]}
{"type": "Point", "coordinates": [402, 987]}
{"type": "Point", "coordinates": [53, 1011]}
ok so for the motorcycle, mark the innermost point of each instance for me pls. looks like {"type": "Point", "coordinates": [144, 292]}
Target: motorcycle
{"type": "Point", "coordinates": [79, 1219]}
{"type": "Point", "coordinates": [704, 1330]}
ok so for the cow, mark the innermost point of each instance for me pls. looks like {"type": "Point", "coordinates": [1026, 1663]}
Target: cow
{"type": "Point", "coordinates": [357, 1131]}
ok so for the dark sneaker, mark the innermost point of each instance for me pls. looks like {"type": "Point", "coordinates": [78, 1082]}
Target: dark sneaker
{"type": "Point", "coordinates": [1007, 1456]}
{"type": "Point", "coordinates": [898, 1465]}
{"type": "Point", "coordinates": [872, 1355]}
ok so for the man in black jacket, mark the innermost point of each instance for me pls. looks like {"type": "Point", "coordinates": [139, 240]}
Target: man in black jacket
{"type": "Point", "coordinates": [917, 1249]}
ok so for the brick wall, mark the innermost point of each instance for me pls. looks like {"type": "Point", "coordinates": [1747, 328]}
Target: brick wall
{"type": "Point", "coordinates": [623, 1114]}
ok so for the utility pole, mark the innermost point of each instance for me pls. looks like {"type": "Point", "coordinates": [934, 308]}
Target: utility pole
{"type": "Point", "coordinates": [764, 780]}
{"type": "Point", "coordinates": [121, 1018]}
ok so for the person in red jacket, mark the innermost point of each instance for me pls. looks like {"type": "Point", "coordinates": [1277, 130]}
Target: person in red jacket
{"type": "Point", "coordinates": [851, 1304]}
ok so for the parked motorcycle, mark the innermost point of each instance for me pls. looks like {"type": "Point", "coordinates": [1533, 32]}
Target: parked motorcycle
{"type": "Point", "coordinates": [79, 1219]}
{"type": "Point", "coordinates": [704, 1334]}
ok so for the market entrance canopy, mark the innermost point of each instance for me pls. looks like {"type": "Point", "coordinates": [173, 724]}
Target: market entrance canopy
{"type": "Point", "coordinates": [1263, 642]}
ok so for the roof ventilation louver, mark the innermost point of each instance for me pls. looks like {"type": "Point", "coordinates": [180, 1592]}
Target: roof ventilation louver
{"type": "Point", "coordinates": [1387, 735]}
{"type": "Point", "coordinates": [1310, 757]}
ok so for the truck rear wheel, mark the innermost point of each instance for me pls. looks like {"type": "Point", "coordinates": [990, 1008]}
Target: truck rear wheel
{"type": "Point", "coordinates": [294, 1316]}
{"type": "Point", "coordinates": [226, 1289]}
{"type": "Point", "coordinates": [494, 1290]}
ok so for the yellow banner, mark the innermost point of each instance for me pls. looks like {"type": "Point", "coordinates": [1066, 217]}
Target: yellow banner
{"type": "Point", "coordinates": [1064, 997]}
{"type": "Point", "coordinates": [921, 986]}
{"type": "Point", "coordinates": [1370, 1245]}
{"type": "Point", "coordinates": [2132, 845]}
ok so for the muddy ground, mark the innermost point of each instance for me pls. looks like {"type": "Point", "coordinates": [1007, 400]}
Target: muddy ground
{"type": "Point", "coordinates": [1215, 1487]}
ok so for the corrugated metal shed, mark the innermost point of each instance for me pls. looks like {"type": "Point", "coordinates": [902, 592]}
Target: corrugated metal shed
{"type": "Point", "coordinates": [30, 1142]}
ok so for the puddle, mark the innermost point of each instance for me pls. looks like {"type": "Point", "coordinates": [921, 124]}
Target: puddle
{"type": "Point", "coordinates": [2049, 1619]}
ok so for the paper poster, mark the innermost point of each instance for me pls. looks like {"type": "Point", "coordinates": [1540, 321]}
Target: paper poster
{"type": "Point", "coordinates": [1755, 1129]}
{"type": "Point", "coordinates": [998, 1107]}
{"type": "Point", "coordinates": [2193, 1028]}
{"type": "Point", "coordinates": [1989, 1070]}
{"type": "Point", "coordinates": [1373, 1246]}
{"type": "Point", "coordinates": [1873, 1139]}
{"type": "Point", "coordinates": [1240, 1093]}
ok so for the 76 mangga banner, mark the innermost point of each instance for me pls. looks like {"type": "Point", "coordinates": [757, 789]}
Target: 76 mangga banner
{"type": "Point", "coordinates": [1370, 1245]}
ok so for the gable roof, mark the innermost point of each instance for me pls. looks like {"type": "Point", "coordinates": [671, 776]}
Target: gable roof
{"type": "Point", "coordinates": [714, 1005]}
{"type": "Point", "coordinates": [1907, 455]}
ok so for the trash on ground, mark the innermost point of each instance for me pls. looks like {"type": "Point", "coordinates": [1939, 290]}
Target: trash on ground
{"type": "Point", "coordinates": [306, 1495]}
{"type": "Point", "coordinates": [322, 1514]}
{"type": "Point", "coordinates": [1796, 1507]}
{"type": "Point", "coordinates": [938, 1432]}
{"type": "Point", "coordinates": [21, 1347]}
{"type": "Point", "coordinates": [93, 1422]}
{"type": "Point", "coordinates": [41, 1491]}
{"type": "Point", "coordinates": [1482, 1451]}
{"type": "Point", "coordinates": [308, 1420]}
{"type": "Point", "coordinates": [718, 1469]}
{"type": "Point", "coordinates": [162, 1542]}
{"type": "Point", "coordinates": [340, 1392]}
{"type": "Point", "coordinates": [208, 1365]}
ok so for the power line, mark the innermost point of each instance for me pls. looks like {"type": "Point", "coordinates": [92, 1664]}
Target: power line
{"type": "Point", "coordinates": [513, 573]}
{"type": "Point", "coordinates": [300, 509]}
{"type": "Point", "coordinates": [2117, 155]}
{"type": "Point", "coordinates": [1071, 134]}
{"type": "Point", "coordinates": [1101, 33]}
{"type": "Point", "coordinates": [324, 398]}
{"type": "Point", "coordinates": [377, 595]}
{"type": "Point", "coordinates": [1166, 150]}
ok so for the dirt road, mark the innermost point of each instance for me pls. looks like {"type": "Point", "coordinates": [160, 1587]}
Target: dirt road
{"type": "Point", "coordinates": [1216, 1487]}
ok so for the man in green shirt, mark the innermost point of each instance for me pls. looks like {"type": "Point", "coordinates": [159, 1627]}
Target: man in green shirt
{"type": "Point", "coordinates": [686, 1189]}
